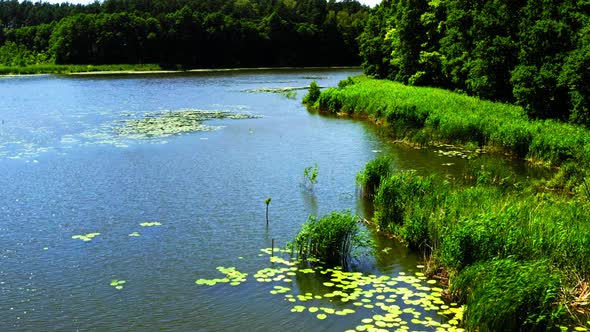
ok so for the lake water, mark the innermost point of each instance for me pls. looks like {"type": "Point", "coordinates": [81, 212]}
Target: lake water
{"type": "Point", "coordinates": [67, 171]}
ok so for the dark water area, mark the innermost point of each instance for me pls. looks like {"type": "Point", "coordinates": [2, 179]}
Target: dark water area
{"type": "Point", "coordinates": [67, 171]}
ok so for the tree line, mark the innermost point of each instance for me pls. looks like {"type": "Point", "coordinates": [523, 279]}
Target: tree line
{"type": "Point", "coordinates": [191, 33]}
{"type": "Point", "coordinates": [532, 53]}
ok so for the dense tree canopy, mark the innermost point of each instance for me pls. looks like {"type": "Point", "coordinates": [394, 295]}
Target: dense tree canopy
{"type": "Point", "coordinates": [534, 53]}
{"type": "Point", "coordinates": [191, 33]}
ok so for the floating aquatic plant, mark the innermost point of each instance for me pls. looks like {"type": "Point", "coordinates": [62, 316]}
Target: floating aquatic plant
{"type": "Point", "coordinates": [162, 124]}
{"type": "Point", "coordinates": [392, 302]}
{"type": "Point", "coordinates": [86, 237]}
{"type": "Point", "coordinates": [118, 284]}
{"type": "Point", "coordinates": [232, 276]}
{"type": "Point", "coordinates": [150, 224]}
{"type": "Point", "coordinates": [134, 234]}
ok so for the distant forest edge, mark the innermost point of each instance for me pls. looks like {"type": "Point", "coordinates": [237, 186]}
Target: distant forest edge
{"type": "Point", "coordinates": [188, 33]}
{"type": "Point", "coordinates": [532, 53]}
{"type": "Point", "coordinates": [529, 52]}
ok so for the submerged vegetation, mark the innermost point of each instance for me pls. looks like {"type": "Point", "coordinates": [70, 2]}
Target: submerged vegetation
{"type": "Point", "coordinates": [515, 255]}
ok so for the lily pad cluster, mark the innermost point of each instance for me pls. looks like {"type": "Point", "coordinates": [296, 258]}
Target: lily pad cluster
{"type": "Point", "coordinates": [86, 237]}
{"type": "Point", "coordinates": [452, 151]}
{"type": "Point", "coordinates": [382, 302]}
{"type": "Point", "coordinates": [163, 124]}
{"type": "Point", "coordinates": [232, 277]}
{"type": "Point", "coordinates": [118, 284]}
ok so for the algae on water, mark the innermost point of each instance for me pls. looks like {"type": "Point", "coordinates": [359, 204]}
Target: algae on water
{"type": "Point", "coordinates": [163, 124]}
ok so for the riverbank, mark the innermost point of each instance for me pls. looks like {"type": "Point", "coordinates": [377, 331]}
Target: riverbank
{"type": "Point", "coordinates": [422, 115]}
{"type": "Point", "coordinates": [517, 257]}
{"type": "Point", "coordinates": [125, 69]}
{"type": "Point", "coordinates": [515, 253]}
{"type": "Point", "coordinates": [70, 69]}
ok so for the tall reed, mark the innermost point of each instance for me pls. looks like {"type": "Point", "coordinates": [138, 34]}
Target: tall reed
{"type": "Point", "coordinates": [329, 238]}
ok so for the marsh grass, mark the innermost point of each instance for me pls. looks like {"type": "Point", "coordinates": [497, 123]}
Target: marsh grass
{"type": "Point", "coordinates": [369, 179]}
{"type": "Point", "coordinates": [508, 295]}
{"type": "Point", "coordinates": [330, 238]}
{"type": "Point", "coordinates": [423, 115]}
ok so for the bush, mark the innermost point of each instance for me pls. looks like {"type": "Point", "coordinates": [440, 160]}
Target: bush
{"type": "Point", "coordinates": [313, 93]}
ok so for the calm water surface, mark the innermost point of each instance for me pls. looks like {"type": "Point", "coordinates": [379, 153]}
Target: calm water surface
{"type": "Point", "coordinates": [66, 172]}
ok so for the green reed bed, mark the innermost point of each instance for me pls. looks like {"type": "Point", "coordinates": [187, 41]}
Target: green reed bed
{"type": "Point", "coordinates": [518, 258]}
{"type": "Point", "coordinates": [329, 239]}
{"type": "Point", "coordinates": [423, 115]}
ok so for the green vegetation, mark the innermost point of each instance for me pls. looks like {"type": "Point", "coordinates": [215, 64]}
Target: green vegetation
{"type": "Point", "coordinates": [533, 53]}
{"type": "Point", "coordinates": [517, 256]}
{"type": "Point", "coordinates": [329, 239]}
{"type": "Point", "coordinates": [181, 34]}
{"type": "Point", "coordinates": [86, 237]}
{"type": "Point", "coordinates": [375, 171]}
{"type": "Point", "coordinates": [313, 93]}
{"type": "Point", "coordinates": [424, 115]}
{"type": "Point", "coordinates": [118, 284]}
{"type": "Point", "coordinates": [310, 176]}
{"type": "Point", "coordinates": [163, 124]}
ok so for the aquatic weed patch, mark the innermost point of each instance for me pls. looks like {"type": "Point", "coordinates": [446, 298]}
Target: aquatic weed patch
{"type": "Point", "coordinates": [164, 124]}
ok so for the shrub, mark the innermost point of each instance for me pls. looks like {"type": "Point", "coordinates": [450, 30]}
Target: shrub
{"type": "Point", "coordinates": [312, 94]}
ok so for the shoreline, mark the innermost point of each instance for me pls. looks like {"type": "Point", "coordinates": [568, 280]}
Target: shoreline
{"type": "Point", "coordinates": [206, 70]}
{"type": "Point", "coordinates": [119, 71]}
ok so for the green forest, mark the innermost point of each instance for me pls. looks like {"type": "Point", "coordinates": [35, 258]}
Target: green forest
{"type": "Point", "coordinates": [185, 33]}
{"type": "Point", "coordinates": [532, 53]}
{"type": "Point", "coordinates": [535, 54]}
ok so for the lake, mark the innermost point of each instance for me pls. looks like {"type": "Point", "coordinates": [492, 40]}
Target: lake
{"type": "Point", "coordinates": [101, 229]}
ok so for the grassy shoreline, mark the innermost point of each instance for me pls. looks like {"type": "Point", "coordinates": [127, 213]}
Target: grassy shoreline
{"type": "Point", "coordinates": [422, 115]}
{"type": "Point", "coordinates": [127, 69]}
{"type": "Point", "coordinates": [515, 253]}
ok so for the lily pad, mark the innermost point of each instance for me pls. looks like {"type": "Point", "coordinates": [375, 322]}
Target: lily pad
{"type": "Point", "coordinates": [150, 224]}
{"type": "Point", "coordinates": [86, 237]}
